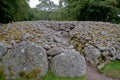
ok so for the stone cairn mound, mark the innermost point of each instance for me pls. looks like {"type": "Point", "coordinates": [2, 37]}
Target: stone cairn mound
{"type": "Point", "coordinates": [28, 49]}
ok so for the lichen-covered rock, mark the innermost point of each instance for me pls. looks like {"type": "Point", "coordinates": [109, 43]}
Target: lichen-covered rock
{"type": "Point", "coordinates": [27, 36]}
{"type": "Point", "coordinates": [112, 53]}
{"type": "Point", "coordinates": [55, 51]}
{"type": "Point", "coordinates": [117, 47]}
{"type": "Point", "coordinates": [118, 55]}
{"type": "Point", "coordinates": [68, 64]}
{"type": "Point", "coordinates": [25, 60]}
{"type": "Point", "coordinates": [104, 37]}
{"type": "Point", "coordinates": [92, 54]}
{"type": "Point", "coordinates": [3, 49]}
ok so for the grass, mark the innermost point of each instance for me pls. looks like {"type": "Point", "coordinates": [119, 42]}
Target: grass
{"type": "Point", "coordinates": [51, 76]}
{"type": "Point", "coordinates": [112, 69]}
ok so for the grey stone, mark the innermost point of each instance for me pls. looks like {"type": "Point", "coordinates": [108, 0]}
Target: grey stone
{"type": "Point", "coordinates": [68, 64]}
{"type": "Point", "coordinates": [112, 50]}
{"type": "Point", "coordinates": [46, 46]}
{"type": "Point", "coordinates": [55, 50]}
{"type": "Point", "coordinates": [105, 53]}
{"type": "Point", "coordinates": [101, 47]}
{"type": "Point", "coordinates": [57, 39]}
{"type": "Point", "coordinates": [118, 55]}
{"type": "Point", "coordinates": [27, 36]}
{"type": "Point", "coordinates": [103, 32]}
{"type": "Point", "coordinates": [92, 54]}
{"type": "Point", "coordinates": [117, 46]}
{"type": "Point", "coordinates": [112, 54]}
{"type": "Point", "coordinates": [3, 49]}
{"type": "Point", "coordinates": [70, 47]}
{"type": "Point", "coordinates": [13, 43]}
{"type": "Point", "coordinates": [60, 40]}
{"type": "Point", "coordinates": [25, 57]}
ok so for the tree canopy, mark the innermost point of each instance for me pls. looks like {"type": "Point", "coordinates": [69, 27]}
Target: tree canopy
{"type": "Point", "coordinates": [91, 10]}
{"type": "Point", "coordinates": [14, 10]}
{"type": "Point", "coordinates": [79, 10]}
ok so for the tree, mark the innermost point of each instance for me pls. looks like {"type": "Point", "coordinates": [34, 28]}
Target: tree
{"type": "Point", "coordinates": [71, 9]}
{"type": "Point", "coordinates": [90, 10]}
{"type": "Point", "coordinates": [100, 10]}
{"type": "Point", "coordinates": [46, 5]}
{"type": "Point", "coordinates": [13, 10]}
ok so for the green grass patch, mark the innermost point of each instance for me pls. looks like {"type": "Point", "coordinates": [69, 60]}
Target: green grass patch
{"type": "Point", "coordinates": [51, 76]}
{"type": "Point", "coordinates": [112, 69]}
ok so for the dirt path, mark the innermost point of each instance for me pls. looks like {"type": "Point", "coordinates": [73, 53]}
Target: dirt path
{"type": "Point", "coordinates": [92, 74]}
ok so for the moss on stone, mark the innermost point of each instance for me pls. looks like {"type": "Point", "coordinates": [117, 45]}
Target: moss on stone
{"type": "Point", "coordinates": [79, 44]}
{"type": "Point", "coordinates": [11, 74]}
{"type": "Point", "coordinates": [16, 31]}
{"type": "Point", "coordinates": [32, 74]}
{"type": "Point", "coordinates": [2, 75]}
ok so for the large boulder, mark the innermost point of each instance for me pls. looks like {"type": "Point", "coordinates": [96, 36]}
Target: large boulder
{"type": "Point", "coordinates": [68, 64]}
{"type": "Point", "coordinates": [3, 49]}
{"type": "Point", "coordinates": [25, 60]}
{"type": "Point", "coordinates": [92, 54]}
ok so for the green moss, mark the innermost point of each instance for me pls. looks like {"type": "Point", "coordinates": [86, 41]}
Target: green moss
{"type": "Point", "coordinates": [112, 69]}
{"type": "Point", "coordinates": [51, 76]}
{"type": "Point", "coordinates": [11, 74]}
{"type": "Point", "coordinates": [23, 74]}
{"type": "Point", "coordinates": [32, 74]}
{"type": "Point", "coordinates": [2, 75]}
{"type": "Point", "coordinates": [79, 47]}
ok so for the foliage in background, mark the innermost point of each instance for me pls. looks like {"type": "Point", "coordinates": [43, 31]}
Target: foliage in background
{"type": "Point", "coordinates": [101, 10]}
{"type": "Point", "coordinates": [80, 10]}
{"type": "Point", "coordinates": [14, 10]}
{"type": "Point", "coordinates": [87, 10]}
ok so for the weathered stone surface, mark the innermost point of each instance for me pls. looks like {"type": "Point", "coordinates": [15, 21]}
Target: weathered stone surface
{"type": "Point", "coordinates": [101, 47]}
{"type": "Point", "coordinates": [118, 55]}
{"type": "Point", "coordinates": [105, 37]}
{"type": "Point", "coordinates": [27, 36]}
{"type": "Point", "coordinates": [112, 53]}
{"type": "Point", "coordinates": [25, 59]}
{"type": "Point", "coordinates": [117, 47]}
{"type": "Point", "coordinates": [68, 64]}
{"type": "Point", "coordinates": [92, 54]}
{"type": "Point", "coordinates": [3, 49]}
{"type": "Point", "coordinates": [46, 46]}
{"type": "Point", "coordinates": [55, 51]}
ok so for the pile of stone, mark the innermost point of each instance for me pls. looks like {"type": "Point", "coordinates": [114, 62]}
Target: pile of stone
{"type": "Point", "coordinates": [30, 48]}
{"type": "Point", "coordinates": [99, 42]}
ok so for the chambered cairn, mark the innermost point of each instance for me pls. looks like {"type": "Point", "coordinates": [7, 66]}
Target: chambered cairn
{"type": "Point", "coordinates": [30, 48]}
